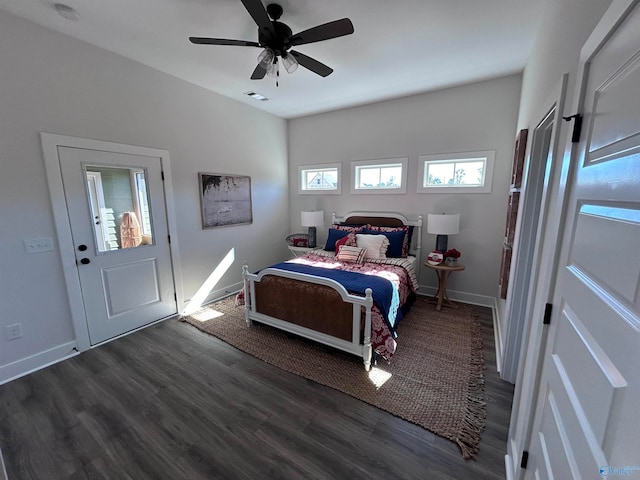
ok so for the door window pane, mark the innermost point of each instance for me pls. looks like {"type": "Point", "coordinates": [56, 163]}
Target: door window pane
{"type": "Point", "coordinates": [119, 203]}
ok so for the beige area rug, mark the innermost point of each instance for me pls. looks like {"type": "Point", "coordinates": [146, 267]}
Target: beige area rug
{"type": "Point", "coordinates": [434, 380]}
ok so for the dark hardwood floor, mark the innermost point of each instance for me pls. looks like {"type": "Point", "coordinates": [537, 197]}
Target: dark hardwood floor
{"type": "Point", "coordinates": [171, 402]}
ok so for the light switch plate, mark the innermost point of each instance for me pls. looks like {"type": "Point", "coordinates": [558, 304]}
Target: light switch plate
{"type": "Point", "coordinates": [38, 245]}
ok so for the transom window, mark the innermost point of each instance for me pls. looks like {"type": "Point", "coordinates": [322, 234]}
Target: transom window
{"type": "Point", "coordinates": [468, 172]}
{"type": "Point", "coordinates": [379, 176]}
{"type": "Point", "coordinates": [319, 179]}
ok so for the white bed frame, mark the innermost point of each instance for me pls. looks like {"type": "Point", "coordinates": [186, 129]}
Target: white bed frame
{"type": "Point", "coordinates": [355, 346]}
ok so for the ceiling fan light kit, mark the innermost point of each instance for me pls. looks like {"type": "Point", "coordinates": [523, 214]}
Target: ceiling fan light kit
{"type": "Point", "coordinates": [276, 40]}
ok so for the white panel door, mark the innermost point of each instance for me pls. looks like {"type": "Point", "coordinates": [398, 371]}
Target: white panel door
{"type": "Point", "coordinates": [126, 275]}
{"type": "Point", "coordinates": [587, 415]}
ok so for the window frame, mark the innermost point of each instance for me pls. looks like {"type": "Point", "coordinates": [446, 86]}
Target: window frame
{"type": "Point", "coordinates": [402, 189]}
{"type": "Point", "coordinates": [487, 155]}
{"type": "Point", "coordinates": [320, 191]}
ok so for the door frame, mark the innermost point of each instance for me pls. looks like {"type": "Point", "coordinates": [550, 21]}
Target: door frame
{"type": "Point", "coordinates": [544, 269]}
{"type": "Point", "coordinates": [50, 145]}
{"type": "Point", "coordinates": [538, 184]}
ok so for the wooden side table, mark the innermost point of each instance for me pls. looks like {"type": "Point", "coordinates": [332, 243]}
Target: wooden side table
{"type": "Point", "coordinates": [443, 271]}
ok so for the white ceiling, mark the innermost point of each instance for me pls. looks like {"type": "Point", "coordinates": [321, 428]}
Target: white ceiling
{"type": "Point", "coordinates": [399, 47]}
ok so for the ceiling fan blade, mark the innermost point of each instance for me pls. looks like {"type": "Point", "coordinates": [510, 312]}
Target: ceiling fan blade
{"type": "Point", "coordinates": [258, 73]}
{"type": "Point", "coordinates": [312, 64]}
{"type": "Point", "coordinates": [222, 41]}
{"type": "Point", "coordinates": [337, 28]}
{"type": "Point", "coordinates": [259, 14]}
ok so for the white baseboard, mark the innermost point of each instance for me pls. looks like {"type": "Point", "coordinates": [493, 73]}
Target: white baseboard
{"type": "Point", "coordinates": [224, 292]}
{"type": "Point", "coordinates": [497, 335]}
{"type": "Point", "coordinates": [214, 296]}
{"type": "Point", "coordinates": [507, 468]}
{"type": "Point", "coordinates": [36, 362]}
{"type": "Point", "coordinates": [463, 297]}
{"type": "Point", "coordinates": [3, 470]}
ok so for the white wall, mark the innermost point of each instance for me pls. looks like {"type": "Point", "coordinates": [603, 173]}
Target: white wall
{"type": "Point", "coordinates": [480, 116]}
{"type": "Point", "coordinates": [51, 82]}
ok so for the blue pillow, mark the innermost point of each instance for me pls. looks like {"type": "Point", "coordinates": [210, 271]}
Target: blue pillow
{"type": "Point", "coordinates": [334, 236]}
{"type": "Point", "coordinates": [396, 239]}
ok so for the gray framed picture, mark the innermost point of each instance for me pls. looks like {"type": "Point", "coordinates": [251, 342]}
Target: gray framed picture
{"type": "Point", "coordinates": [225, 199]}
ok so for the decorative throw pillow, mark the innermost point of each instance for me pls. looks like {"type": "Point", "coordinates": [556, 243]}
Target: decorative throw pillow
{"type": "Point", "coordinates": [349, 240]}
{"type": "Point", "coordinates": [334, 236]}
{"type": "Point", "coordinates": [349, 228]}
{"type": "Point", "coordinates": [375, 245]}
{"type": "Point", "coordinates": [396, 242]}
{"type": "Point", "coordinates": [407, 235]}
{"type": "Point", "coordinates": [350, 254]}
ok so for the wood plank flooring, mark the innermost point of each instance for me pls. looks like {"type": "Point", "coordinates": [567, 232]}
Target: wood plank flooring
{"type": "Point", "coordinates": [171, 402]}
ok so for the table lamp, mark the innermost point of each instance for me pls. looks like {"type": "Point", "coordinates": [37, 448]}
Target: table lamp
{"type": "Point", "coordinates": [312, 220]}
{"type": "Point", "coordinates": [442, 225]}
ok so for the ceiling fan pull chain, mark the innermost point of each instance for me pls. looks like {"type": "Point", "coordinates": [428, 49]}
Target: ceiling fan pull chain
{"type": "Point", "coordinates": [277, 77]}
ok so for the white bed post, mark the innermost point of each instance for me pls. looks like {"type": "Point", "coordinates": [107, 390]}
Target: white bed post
{"type": "Point", "coordinates": [366, 347]}
{"type": "Point", "coordinates": [418, 241]}
{"type": "Point", "coordinates": [247, 296]}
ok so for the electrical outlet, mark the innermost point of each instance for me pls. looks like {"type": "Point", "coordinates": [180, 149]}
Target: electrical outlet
{"type": "Point", "coordinates": [37, 245]}
{"type": "Point", "coordinates": [11, 332]}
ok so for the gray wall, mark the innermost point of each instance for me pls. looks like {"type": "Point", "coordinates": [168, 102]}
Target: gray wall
{"type": "Point", "coordinates": [53, 83]}
{"type": "Point", "coordinates": [480, 116]}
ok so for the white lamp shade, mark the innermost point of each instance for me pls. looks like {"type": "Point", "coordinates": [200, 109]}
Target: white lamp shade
{"type": "Point", "coordinates": [443, 224]}
{"type": "Point", "coordinates": [312, 219]}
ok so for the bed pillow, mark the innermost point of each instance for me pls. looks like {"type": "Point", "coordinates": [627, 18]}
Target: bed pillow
{"type": "Point", "coordinates": [396, 242]}
{"type": "Point", "coordinates": [375, 246]}
{"type": "Point", "coordinates": [407, 235]}
{"type": "Point", "coordinates": [349, 240]}
{"type": "Point", "coordinates": [333, 236]}
{"type": "Point", "coordinates": [350, 254]}
{"type": "Point", "coordinates": [349, 228]}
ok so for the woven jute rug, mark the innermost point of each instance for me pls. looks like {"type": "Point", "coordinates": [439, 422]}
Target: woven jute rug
{"type": "Point", "coordinates": [434, 380]}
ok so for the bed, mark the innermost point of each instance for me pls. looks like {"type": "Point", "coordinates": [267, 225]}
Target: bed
{"type": "Point", "coordinates": [351, 305]}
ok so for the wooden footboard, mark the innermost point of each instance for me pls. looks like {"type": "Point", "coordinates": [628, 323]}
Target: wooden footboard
{"type": "Point", "coordinates": [316, 308]}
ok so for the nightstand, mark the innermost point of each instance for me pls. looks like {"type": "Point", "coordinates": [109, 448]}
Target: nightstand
{"type": "Point", "coordinates": [299, 251]}
{"type": "Point", "coordinates": [443, 271]}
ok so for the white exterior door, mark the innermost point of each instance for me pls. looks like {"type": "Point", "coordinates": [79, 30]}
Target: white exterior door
{"type": "Point", "coordinates": [124, 267]}
{"type": "Point", "coordinates": [587, 414]}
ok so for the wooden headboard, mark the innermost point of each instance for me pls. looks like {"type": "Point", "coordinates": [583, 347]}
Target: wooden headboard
{"type": "Point", "coordinates": [386, 219]}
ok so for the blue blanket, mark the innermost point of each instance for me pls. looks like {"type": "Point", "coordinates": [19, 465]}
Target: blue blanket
{"type": "Point", "coordinates": [385, 294]}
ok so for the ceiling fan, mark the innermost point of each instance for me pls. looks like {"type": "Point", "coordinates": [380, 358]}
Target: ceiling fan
{"type": "Point", "coordinates": [276, 39]}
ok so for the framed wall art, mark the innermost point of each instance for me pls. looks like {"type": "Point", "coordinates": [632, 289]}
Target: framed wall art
{"type": "Point", "coordinates": [512, 218]}
{"type": "Point", "coordinates": [518, 158]}
{"type": "Point", "coordinates": [225, 199]}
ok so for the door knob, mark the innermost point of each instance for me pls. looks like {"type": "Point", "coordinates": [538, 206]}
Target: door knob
{"type": "Point", "coordinates": [85, 261]}
{"type": "Point", "coordinates": [82, 247]}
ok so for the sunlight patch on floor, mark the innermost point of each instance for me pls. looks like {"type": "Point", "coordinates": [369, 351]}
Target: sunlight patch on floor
{"type": "Point", "coordinates": [378, 377]}
{"type": "Point", "coordinates": [206, 314]}
{"type": "Point", "coordinates": [205, 289]}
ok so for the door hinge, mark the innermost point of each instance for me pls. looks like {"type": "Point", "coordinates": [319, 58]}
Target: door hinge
{"type": "Point", "coordinates": [162, 174]}
{"type": "Point", "coordinates": [546, 320]}
{"type": "Point", "coordinates": [169, 238]}
{"type": "Point", "coordinates": [175, 297]}
{"type": "Point", "coordinates": [577, 127]}
{"type": "Point", "coordinates": [525, 459]}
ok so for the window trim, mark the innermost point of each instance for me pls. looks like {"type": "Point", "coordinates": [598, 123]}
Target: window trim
{"type": "Point", "coordinates": [320, 191]}
{"type": "Point", "coordinates": [488, 155]}
{"type": "Point", "coordinates": [403, 161]}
